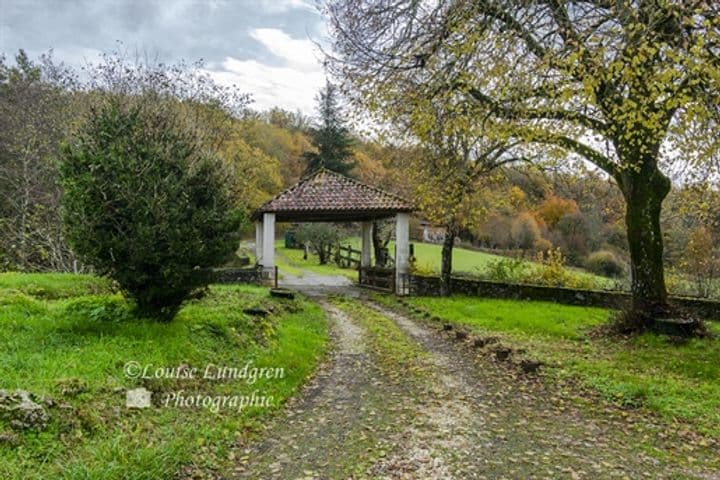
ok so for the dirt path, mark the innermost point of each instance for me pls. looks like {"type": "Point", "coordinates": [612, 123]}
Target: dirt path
{"type": "Point", "coordinates": [460, 417]}
{"type": "Point", "coordinates": [314, 284]}
{"type": "Point", "coordinates": [487, 422]}
{"type": "Point", "coordinates": [326, 432]}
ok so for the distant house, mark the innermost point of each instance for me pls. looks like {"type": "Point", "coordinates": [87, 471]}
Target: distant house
{"type": "Point", "coordinates": [432, 233]}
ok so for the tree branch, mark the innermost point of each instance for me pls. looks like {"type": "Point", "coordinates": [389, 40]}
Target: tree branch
{"type": "Point", "coordinates": [589, 153]}
{"type": "Point", "coordinates": [510, 113]}
{"type": "Point", "coordinates": [500, 13]}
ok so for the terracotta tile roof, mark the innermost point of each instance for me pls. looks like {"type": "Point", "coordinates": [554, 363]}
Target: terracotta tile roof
{"type": "Point", "coordinates": [332, 194]}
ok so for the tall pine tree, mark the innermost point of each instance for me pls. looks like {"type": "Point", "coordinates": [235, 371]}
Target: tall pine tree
{"type": "Point", "coordinates": [331, 137]}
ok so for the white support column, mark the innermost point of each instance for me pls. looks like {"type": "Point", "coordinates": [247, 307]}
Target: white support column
{"type": "Point", "coordinates": [268, 240]}
{"type": "Point", "coordinates": [402, 253]}
{"type": "Point", "coordinates": [258, 242]}
{"type": "Point", "coordinates": [366, 244]}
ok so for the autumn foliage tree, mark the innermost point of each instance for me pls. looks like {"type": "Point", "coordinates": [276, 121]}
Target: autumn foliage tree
{"type": "Point", "coordinates": [554, 208]}
{"type": "Point", "coordinates": [702, 260]}
{"type": "Point", "coordinates": [626, 86]}
{"type": "Point", "coordinates": [525, 232]}
{"type": "Point", "coordinates": [451, 167]}
{"type": "Point", "coordinates": [257, 174]}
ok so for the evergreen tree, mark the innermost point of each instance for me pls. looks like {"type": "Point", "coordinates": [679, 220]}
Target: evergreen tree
{"type": "Point", "coordinates": [146, 205]}
{"type": "Point", "coordinates": [331, 137]}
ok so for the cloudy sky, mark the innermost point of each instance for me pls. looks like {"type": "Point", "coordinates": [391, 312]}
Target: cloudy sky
{"type": "Point", "coordinates": [263, 46]}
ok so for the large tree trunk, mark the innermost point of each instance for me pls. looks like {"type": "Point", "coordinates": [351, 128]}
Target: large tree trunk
{"type": "Point", "coordinates": [323, 252]}
{"type": "Point", "coordinates": [644, 193]}
{"type": "Point", "coordinates": [446, 263]}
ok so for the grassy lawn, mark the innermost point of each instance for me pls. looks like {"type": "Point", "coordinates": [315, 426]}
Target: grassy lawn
{"type": "Point", "coordinates": [679, 382]}
{"type": "Point", "coordinates": [52, 286]}
{"type": "Point", "coordinates": [429, 256]}
{"type": "Point", "coordinates": [290, 261]}
{"type": "Point", "coordinates": [68, 338]}
{"type": "Point", "coordinates": [429, 259]}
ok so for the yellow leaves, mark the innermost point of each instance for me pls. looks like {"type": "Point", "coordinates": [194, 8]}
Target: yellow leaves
{"type": "Point", "coordinates": [517, 197]}
{"type": "Point", "coordinates": [589, 85]}
{"type": "Point", "coordinates": [624, 72]}
{"type": "Point", "coordinates": [554, 208]}
{"type": "Point", "coordinates": [256, 175]}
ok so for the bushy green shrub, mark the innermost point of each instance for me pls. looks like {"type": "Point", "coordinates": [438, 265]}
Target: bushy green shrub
{"type": "Point", "coordinates": [508, 270]}
{"type": "Point", "coordinates": [606, 263]}
{"type": "Point", "coordinates": [423, 269]}
{"type": "Point", "coordinates": [145, 204]}
{"type": "Point", "coordinates": [550, 269]}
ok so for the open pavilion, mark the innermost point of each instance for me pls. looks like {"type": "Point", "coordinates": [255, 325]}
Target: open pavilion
{"type": "Point", "coordinates": [326, 196]}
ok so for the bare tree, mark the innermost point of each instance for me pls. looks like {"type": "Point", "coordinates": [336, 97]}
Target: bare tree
{"type": "Point", "coordinates": [35, 111]}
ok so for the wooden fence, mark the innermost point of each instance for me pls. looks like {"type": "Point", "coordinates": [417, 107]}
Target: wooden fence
{"type": "Point", "coordinates": [347, 256]}
{"type": "Point", "coordinates": [378, 278]}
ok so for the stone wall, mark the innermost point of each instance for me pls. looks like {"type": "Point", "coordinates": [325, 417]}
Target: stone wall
{"type": "Point", "coordinates": [430, 286]}
{"type": "Point", "coordinates": [252, 275]}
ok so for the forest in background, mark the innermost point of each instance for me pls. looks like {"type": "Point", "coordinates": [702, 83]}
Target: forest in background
{"type": "Point", "coordinates": [520, 210]}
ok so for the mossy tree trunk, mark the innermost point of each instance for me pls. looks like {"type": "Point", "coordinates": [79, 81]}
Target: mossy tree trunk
{"type": "Point", "coordinates": [644, 190]}
{"type": "Point", "coordinates": [324, 253]}
{"type": "Point", "coordinates": [446, 260]}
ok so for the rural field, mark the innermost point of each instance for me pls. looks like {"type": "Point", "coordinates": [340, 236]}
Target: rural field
{"type": "Point", "coordinates": [428, 259]}
{"type": "Point", "coordinates": [359, 240]}
{"type": "Point", "coordinates": [67, 340]}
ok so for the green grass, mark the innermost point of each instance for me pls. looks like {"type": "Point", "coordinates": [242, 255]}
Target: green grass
{"type": "Point", "coordinates": [290, 261]}
{"type": "Point", "coordinates": [59, 338]}
{"type": "Point", "coordinates": [429, 256]}
{"type": "Point", "coordinates": [472, 262]}
{"type": "Point", "coordinates": [679, 382]}
{"type": "Point", "coordinates": [526, 317]}
{"type": "Point", "coordinates": [53, 285]}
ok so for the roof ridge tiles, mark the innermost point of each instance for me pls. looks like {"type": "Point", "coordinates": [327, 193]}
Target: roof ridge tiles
{"type": "Point", "coordinates": [328, 191]}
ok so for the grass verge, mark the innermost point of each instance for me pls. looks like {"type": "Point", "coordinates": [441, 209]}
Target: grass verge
{"type": "Point", "coordinates": [392, 345]}
{"type": "Point", "coordinates": [70, 344]}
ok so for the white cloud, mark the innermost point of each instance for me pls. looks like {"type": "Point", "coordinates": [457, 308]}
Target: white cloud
{"type": "Point", "coordinates": [300, 54]}
{"type": "Point", "coordinates": [286, 5]}
{"type": "Point", "coordinates": [292, 85]}
{"type": "Point", "coordinates": [285, 87]}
